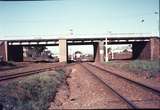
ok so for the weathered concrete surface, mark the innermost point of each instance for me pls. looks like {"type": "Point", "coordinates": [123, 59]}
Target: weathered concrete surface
{"type": "Point", "coordinates": [155, 48]}
{"type": "Point", "coordinates": [99, 51]}
{"type": "Point", "coordinates": [63, 50]}
{"type": "Point", "coordinates": [141, 50]}
{"type": "Point", "coordinates": [147, 50]}
{"type": "Point", "coordinates": [4, 50]}
{"type": "Point", "coordinates": [95, 47]}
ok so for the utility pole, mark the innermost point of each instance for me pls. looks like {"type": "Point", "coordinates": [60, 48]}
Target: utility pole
{"type": "Point", "coordinates": [156, 13]}
{"type": "Point", "coordinates": [71, 32]}
{"type": "Point", "coordinates": [106, 50]}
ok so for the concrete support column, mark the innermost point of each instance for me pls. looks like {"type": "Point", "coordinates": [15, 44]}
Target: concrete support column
{"type": "Point", "coordinates": [4, 50]}
{"type": "Point", "coordinates": [99, 52]}
{"type": "Point", "coordinates": [101, 47]}
{"type": "Point", "coordinates": [96, 55]}
{"type": "Point", "coordinates": [63, 50]}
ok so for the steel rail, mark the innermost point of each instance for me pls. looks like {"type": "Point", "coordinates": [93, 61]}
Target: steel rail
{"type": "Point", "coordinates": [130, 104]}
{"type": "Point", "coordinates": [27, 73]}
{"type": "Point", "coordinates": [151, 89]}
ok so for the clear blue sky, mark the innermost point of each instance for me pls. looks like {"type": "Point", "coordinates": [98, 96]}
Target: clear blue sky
{"type": "Point", "coordinates": [83, 16]}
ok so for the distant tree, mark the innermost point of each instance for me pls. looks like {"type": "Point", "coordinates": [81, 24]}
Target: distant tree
{"type": "Point", "coordinates": [125, 50]}
{"type": "Point", "coordinates": [39, 49]}
{"type": "Point", "coordinates": [78, 55]}
{"type": "Point", "coordinates": [109, 50]}
{"type": "Point", "coordinates": [34, 51]}
{"type": "Point", "coordinates": [78, 52]}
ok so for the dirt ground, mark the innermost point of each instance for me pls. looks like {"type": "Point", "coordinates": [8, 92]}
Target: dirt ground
{"type": "Point", "coordinates": [83, 91]}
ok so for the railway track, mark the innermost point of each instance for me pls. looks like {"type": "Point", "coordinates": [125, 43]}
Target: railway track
{"type": "Point", "coordinates": [125, 100]}
{"type": "Point", "coordinates": [27, 73]}
{"type": "Point", "coordinates": [156, 91]}
{"type": "Point", "coordinates": [131, 103]}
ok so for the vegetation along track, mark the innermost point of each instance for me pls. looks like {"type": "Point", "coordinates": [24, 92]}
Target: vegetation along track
{"type": "Point", "coordinates": [27, 73]}
{"type": "Point", "coordinates": [135, 94]}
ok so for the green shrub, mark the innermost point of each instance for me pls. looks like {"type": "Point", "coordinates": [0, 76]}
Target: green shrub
{"type": "Point", "coordinates": [32, 93]}
{"type": "Point", "coordinates": [153, 67]}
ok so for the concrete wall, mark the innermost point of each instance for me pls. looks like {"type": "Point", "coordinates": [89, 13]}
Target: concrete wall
{"type": "Point", "coordinates": [15, 53]}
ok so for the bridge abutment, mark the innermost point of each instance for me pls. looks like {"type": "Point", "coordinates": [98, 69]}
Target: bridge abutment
{"type": "Point", "coordinates": [4, 50]}
{"type": "Point", "coordinates": [155, 48]}
{"type": "Point", "coordinates": [147, 50]}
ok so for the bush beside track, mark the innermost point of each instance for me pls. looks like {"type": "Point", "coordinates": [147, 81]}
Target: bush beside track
{"type": "Point", "coordinates": [151, 68]}
{"type": "Point", "coordinates": [31, 93]}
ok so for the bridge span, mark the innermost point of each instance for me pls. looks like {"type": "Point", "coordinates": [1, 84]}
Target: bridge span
{"type": "Point", "coordinates": [143, 47]}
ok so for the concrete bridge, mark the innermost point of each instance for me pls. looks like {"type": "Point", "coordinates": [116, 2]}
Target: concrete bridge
{"type": "Point", "coordinates": [143, 46]}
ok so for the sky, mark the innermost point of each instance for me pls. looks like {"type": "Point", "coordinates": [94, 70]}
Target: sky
{"type": "Point", "coordinates": [58, 17]}
{"type": "Point", "coordinates": [27, 18]}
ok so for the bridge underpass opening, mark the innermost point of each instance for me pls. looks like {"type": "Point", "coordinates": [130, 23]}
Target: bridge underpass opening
{"type": "Point", "coordinates": [15, 53]}
{"type": "Point", "coordinates": [82, 53]}
{"type": "Point", "coordinates": [32, 53]}
{"type": "Point", "coordinates": [40, 53]}
{"type": "Point", "coordinates": [120, 52]}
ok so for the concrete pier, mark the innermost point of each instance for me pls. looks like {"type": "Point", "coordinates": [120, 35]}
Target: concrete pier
{"type": "Point", "coordinates": [99, 51]}
{"type": "Point", "coordinates": [63, 50]}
